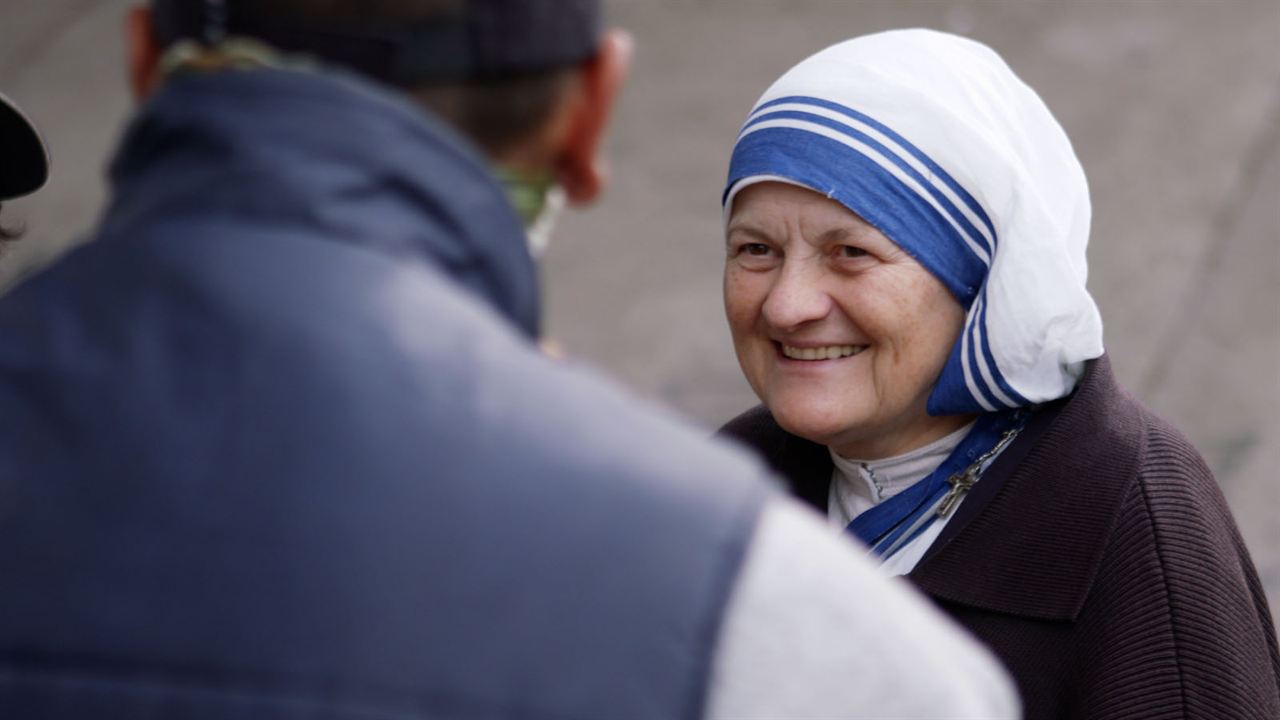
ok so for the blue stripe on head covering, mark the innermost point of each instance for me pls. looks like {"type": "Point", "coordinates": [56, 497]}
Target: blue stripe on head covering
{"type": "Point", "coordinates": [952, 395]}
{"type": "Point", "coordinates": [901, 151]}
{"type": "Point", "coordinates": [971, 381]}
{"type": "Point", "coordinates": [878, 174]}
{"type": "Point", "coordinates": [1013, 397]}
{"type": "Point", "coordinates": [875, 172]}
{"type": "Point", "coordinates": [861, 184]}
{"type": "Point", "coordinates": [974, 380]}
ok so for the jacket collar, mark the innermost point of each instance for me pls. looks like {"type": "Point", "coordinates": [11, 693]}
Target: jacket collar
{"type": "Point", "coordinates": [1031, 542]}
{"type": "Point", "coordinates": [324, 156]}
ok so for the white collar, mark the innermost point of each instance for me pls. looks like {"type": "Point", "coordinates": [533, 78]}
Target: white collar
{"type": "Point", "coordinates": [874, 481]}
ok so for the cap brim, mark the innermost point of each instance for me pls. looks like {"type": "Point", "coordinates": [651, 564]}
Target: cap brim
{"type": "Point", "coordinates": [24, 161]}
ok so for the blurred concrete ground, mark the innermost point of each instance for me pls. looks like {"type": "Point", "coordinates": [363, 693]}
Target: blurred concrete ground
{"type": "Point", "coordinates": [1174, 109]}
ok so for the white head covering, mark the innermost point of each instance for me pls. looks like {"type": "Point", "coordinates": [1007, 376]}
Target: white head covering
{"type": "Point", "coordinates": [932, 139]}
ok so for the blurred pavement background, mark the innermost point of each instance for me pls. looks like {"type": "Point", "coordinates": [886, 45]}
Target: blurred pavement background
{"type": "Point", "coordinates": [1173, 107]}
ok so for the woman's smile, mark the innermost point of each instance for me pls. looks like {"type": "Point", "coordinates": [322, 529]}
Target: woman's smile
{"type": "Point", "coordinates": [821, 352]}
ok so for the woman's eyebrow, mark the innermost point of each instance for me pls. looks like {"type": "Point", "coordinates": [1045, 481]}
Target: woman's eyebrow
{"type": "Point", "coordinates": [835, 235]}
{"type": "Point", "coordinates": [745, 229]}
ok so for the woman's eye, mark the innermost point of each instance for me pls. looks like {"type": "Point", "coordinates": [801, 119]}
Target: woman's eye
{"type": "Point", "coordinates": [851, 251]}
{"type": "Point", "coordinates": [755, 256]}
{"type": "Point", "coordinates": [754, 250]}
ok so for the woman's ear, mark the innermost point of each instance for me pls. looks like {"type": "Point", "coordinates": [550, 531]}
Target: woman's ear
{"type": "Point", "coordinates": [143, 52]}
{"type": "Point", "coordinates": [581, 168]}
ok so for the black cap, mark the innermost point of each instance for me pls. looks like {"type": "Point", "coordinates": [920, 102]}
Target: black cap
{"type": "Point", "coordinates": [477, 40]}
{"type": "Point", "coordinates": [24, 162]}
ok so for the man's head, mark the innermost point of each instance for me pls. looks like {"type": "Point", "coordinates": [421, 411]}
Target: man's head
{"type": "Point", "coordinates": [530, 81]}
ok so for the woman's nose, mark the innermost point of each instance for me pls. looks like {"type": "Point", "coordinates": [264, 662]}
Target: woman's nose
{"type": "Point", "coordinates": [796, 298]}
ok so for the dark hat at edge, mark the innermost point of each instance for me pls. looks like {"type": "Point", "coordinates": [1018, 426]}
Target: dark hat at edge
{"type": "Point", "coordinates": [24, 161]}
{"type": "Point", "coordinates": [475, 40]}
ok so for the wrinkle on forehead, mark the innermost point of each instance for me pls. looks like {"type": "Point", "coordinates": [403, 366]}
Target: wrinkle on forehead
{"type": "Point", "coordinates": [778, 212]}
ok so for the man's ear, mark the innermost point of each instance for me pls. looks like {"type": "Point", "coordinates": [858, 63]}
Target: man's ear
{"type": "Point", "coordinates": [581, 168]}
{"type": "Point", "coordinates": [143, 52]}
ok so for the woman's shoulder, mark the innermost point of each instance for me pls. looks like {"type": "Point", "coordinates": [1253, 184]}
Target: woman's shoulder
{"type": "Point", "coordinates": [1123, 533]}
{"type": "Point", "coordinates": [1062, 488]}
{"type": "Point", "coordinates": [1105, 436]}
{"type": "Point", "coordinates": [1175, 573]}
{"type": "Point", "coordinates": [1108, 443]}
{"type": "Point", "coordinates": [1115, 429]}
{"type": "Point", "coordinates": [1167, 510]}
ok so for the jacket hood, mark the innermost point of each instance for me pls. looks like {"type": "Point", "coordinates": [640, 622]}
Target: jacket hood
{"type": "Point", "coordinates": [330, 157]}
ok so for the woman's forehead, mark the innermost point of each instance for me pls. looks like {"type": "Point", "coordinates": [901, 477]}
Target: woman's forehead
{"type": "Point", "coordinates": [765, 204]}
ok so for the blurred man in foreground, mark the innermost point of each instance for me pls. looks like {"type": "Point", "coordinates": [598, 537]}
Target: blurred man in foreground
{"type": "Point", "coordinates": [280, 443]}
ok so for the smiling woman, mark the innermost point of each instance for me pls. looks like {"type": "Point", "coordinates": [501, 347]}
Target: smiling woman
{"type": "Point", "coordinates": [840, 332]}
{"type": "Point", "coordinates": [905, 286]}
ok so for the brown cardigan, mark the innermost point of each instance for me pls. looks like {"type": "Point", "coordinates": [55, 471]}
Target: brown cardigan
{"type": "Point", "coordinates": [1097, 558]}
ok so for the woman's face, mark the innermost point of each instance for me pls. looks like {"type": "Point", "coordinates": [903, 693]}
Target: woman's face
{"type": "Point", "coordinates": [840, 332]}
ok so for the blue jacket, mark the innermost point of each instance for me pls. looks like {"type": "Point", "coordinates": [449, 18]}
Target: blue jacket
{"type": "Point", "coordinates": [277, 444]}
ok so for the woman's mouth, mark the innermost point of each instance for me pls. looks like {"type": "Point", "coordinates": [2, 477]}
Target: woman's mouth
{"type": "Point", "coordinates": [828, 352]}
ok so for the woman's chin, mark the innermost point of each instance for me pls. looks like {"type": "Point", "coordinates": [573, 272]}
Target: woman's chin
{"type": "Point", "coordinates": [817, 427]}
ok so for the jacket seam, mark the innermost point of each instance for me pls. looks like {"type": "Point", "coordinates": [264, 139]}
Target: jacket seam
{"type": "Point", "coordinates": [1168, 590]}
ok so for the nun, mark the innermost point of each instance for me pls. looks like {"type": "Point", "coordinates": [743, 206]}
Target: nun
{"type": "Point", "coordinates": [905, 227]}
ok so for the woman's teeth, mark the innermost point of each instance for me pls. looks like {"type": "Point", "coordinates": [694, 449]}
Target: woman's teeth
{"type": "Point", "coordinates": [831, 352]}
